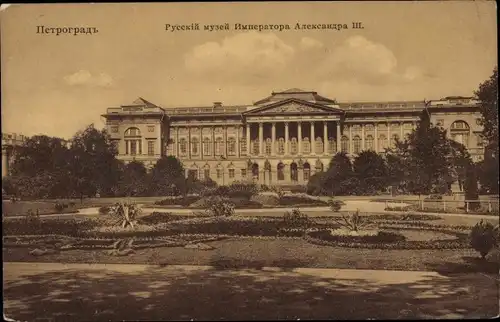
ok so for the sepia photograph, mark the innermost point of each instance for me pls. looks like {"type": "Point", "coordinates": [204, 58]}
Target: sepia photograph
{"type": "Point", "coordinates": [250, 161]}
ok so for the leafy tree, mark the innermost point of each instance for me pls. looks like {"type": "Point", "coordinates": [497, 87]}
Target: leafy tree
{"type": "Point", "coordinates": [371, 171]}
{"type": "Point", "coordinates": [424, 159]}
{"type": "Point", "coordinates": [488, 96]}
{"type": "Point", "coordinates": [316, 183]}
{"type": "Point", "coordinates": [93, 164]}
{"type": "Point", "coordinates": [471, 193]}
{"type": "Point", "coordinates": [167, 177]}
{"type": "Point", "coordinates": [134, 180]}
{"type": "Point", "coordinates": [339, 177]}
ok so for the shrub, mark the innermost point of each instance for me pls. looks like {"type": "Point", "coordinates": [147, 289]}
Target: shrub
{"type": "Point", "coordinates": [335, 205]}
{"type": "Point", "coordinates": [266, 199]}
{"type": "Point", "coordinates": [300, 200]}
{"type": "Point", "coordinates": [181, 201]}
{"type": "Point", "coordinates": [126, 213]}
{"type": "Point", "coordinates": [483, 237]}
{"type": "Point", "coordinates": [296, 219]}
{"type": "Point", "coordinates": [59, 207]}
{"type": "Point", "coordinates": [104, 210]}
{"type": "Point", "coordinates": [242, 190]}
{"type": "Point", "coordinates": [221, 207]}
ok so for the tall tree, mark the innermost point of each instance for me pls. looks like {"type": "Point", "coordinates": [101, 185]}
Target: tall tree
{"type": "Point", "coordinates": [488, 97]}
{"type": "Point", "coordinates": [339, 178]}
{"type": "Point", "coordinates": [371, 171]}
{"type": "Point", "coordinates": [93, 165]}
{"type": "Point", "coordinates": [167, 177]}
{"type": "Point", "coordinates": [133, 181]}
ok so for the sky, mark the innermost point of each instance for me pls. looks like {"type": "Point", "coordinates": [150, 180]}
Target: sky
{"type": "Point", "coordinates": [57, 85]}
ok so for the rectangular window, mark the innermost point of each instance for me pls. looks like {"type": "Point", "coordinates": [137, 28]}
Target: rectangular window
{"type": "Point", "coordinates": [151, 128]}
{"type": "Point", "coordinates": [231, 173]}
{"type": "Point", "coordinates": [243, 173]}
{"type": "Point", "coordinates": [151, 147]}
{"type": "Point", "coordinates": [219, 173]}
{"type": "Point", "coordinates": [133, 147]}
{"type": "Point", "coordinates": [126, 147]}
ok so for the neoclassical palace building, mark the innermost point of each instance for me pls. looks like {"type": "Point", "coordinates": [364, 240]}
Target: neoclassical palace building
{"type": "Point", "coordinates": [282, 139]}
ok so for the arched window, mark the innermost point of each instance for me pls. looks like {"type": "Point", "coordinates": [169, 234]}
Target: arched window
{"type": "Point", "coordinates": [281, 146]}
{"type": "Point", "coordinates": [133, 141]}
{"type": "Point", "coordinates": [281, 171]}
{"type": "Point", "coordinates": [293, 146]}
{"type": "Point", "coordinates": [460, 132]}
{"type": "Point", "coordinates": [231, 146]}
{"type": "Point", "coordinates": [306, 146]}
{"type": "Point", "coordinates": [369, 127]}
{"type": "Point", "coordinates": [356, 144]}
{"type": "Point", "coordinates": [332, 145]}
{"type": "Point", "coordinates": [294, 173]}
{"type": "Point", "coordinates": [255, 144]}
{"type": "Point", "coordinates": [269, 145]}
{"type": "Point", "coordinates": [307, 171]}
{"type": "Point", "coordinates": [382, 141]}
{"type": "Point", "coordinates": [369, 142]}
{"type": "Point", "coordinates": [344, 144]}
{"type": "Point", "coordinates": [194, 146]}
{"type": "Point", "coordinates": [318, 148]}
{"type": "Point", "coordinates": [206, 146]}
{"type": "Point", "coordinates": [219, 146]}
{"type": "Point", "coordinates": [183, 146]}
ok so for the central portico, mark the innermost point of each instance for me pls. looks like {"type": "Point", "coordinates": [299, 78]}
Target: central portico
{"type": "Point", "coordinates": [291, 139]}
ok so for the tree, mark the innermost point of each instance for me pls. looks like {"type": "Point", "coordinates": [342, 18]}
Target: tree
{"type": "Point", "coordinates": [371, 171]}
{"type": "Point", "coordinates": [94, 168]}
{"type": "Point", "coordinates": [339, 177]}
{"type": "Point", "coordinates": [425, 159]}
{"type": "Point", "coordinates": [167, 177]}
{"type": "Point", "coordinates": [471, 193]}
{"type": "Point", "coordinates": [134, 180]}
{"type": "Point", "coordinates": [487, 94]}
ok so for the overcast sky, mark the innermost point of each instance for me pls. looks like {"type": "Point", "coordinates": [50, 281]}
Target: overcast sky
{"type": "Point", "coordinates": [57, 85]}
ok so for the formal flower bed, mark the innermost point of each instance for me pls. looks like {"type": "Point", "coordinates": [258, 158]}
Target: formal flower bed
{"type": "Point", "coordinates": [394, 237]}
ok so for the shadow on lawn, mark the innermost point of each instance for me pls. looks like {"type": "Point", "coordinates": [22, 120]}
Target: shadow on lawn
{"type": "Point", "coordinates": [174, 293]}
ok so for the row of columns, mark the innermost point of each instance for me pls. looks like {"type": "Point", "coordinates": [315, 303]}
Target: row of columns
{"type": "Point", "coordinates": [401, 135]}
{"type": "Point", "coordinates": [287, 138]}
{"type": "Point", "coordinates": [201, 153]}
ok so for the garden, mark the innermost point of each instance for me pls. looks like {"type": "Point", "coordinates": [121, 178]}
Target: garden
{"type": "Point", "coordinates": [124, 233]}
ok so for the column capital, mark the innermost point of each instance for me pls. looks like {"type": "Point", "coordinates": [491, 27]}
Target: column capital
{"type": "Point", "coordinates": [286, 123]}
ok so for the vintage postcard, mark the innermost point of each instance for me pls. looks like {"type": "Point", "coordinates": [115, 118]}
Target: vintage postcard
{"type": "Point", "coordinates": [250, 161]}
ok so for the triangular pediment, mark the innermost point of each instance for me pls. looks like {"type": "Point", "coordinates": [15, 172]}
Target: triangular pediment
{"type": "Point", "coordinates": [294, 106]}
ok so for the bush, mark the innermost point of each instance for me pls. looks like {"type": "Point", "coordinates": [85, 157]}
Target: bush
{"type": "Point", "coordinates": [483, 237]}
{"type": "Point", "coordinates": [181, 201]}
{"type": "Point", "coordinates": [220, 207]}
{"type": "Point", "coordinates": [242, 190]}
{"type": "Point", "coordinates": [104, 210]}
{"type": "Point", "coordinates": [266, 199]}
{"type": "Point", "coordinates": [353, 221]}
{"type": "Point", "coordinates": [256, 227]}
{"type": "Point", "coordinates": [300, 201]}
{"type": "Point", "coordinates": [296, 219]}
{"type": "Point", "coordinates": [335, 205]}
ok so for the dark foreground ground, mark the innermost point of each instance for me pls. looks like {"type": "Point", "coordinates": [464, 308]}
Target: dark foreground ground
{"type": "Point", "coordinates": [83, 292]}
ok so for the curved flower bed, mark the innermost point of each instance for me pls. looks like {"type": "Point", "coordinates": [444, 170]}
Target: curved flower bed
{"type": "Point", "coordinates": [390, 241]}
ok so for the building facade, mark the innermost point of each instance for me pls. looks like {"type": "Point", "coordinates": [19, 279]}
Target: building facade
{"type": "Point", "coordinates": [282, 139]}
{"type": "Point", "coordinates": [9, 142]}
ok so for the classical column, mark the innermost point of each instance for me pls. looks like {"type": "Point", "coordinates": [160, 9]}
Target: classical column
{"type": "Point", "coordinates": [325, 137]}
{"type": "Point", "coordinates": [362, 136]}
{"type": "Point", "coordinates": [238, 129]}
{"type": "Point", "coordinates": [376, 137]}
{"type": "Point", "coordinates": [299, 137]}
{"type": "Point", "coordinates": [389, 134]}
{"type": "Point", "coordinates": [286, 138]}
{"type": "Point", "coordinates": [273, 138]}
{"type": "Point", "coordinates": [213, 141]}
{"type": "Point", "coordinates": [350, 139]}
{"type": "Point", "coordinates": [338, 137]}
{"type": "Point", "coordinates": [224, 139]}
{"type": "Point", "coordinates": [248, 139]}
{"type": "Point", "coordinates": [313, 140]}
{"type": "Point", "coordinates": [189, 142]}
{"type": "Point", "coordinates": [261, 137]}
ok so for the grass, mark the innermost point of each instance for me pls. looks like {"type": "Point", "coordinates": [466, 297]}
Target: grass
{"type": "Point", "coordinates": [20, 208]}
